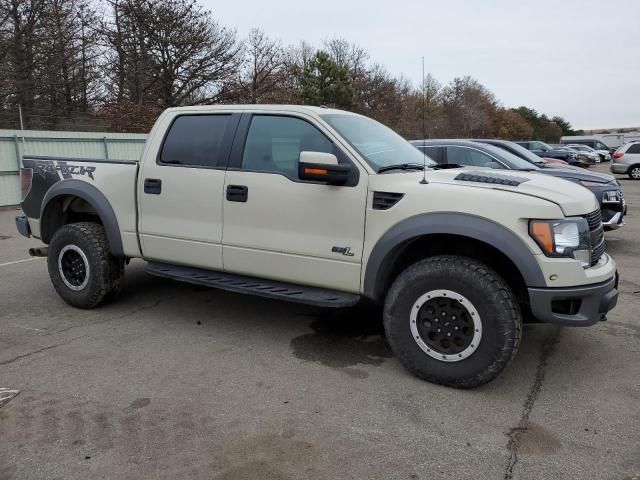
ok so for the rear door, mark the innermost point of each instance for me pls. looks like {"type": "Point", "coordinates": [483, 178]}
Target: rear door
{"type": "Point", "coordinates": [180, 191]}
{"type": "Point", "coordinates": [280, 227]}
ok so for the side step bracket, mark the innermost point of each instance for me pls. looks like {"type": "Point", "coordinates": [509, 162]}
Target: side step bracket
{"type": "Point", "coordinates": [254, 286]}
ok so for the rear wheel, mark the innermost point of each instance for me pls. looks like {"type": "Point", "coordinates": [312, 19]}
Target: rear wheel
{"type": "Point", "coordinates": [452, 320]}
{"type": "Point", "coordinates": [81, 267]}
{"type": "Point", "coordinates": [634, 172]}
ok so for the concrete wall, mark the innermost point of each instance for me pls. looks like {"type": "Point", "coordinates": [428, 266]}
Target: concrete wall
{"type": "Point", "coordinates": [98, 145]}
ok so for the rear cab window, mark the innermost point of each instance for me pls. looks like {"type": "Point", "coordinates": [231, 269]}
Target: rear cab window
{"type": "Point", "coordinates": [197, 141]}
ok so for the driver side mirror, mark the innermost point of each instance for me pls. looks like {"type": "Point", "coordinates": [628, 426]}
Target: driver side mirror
{"type": "Point", "coordinates": [322, 167]}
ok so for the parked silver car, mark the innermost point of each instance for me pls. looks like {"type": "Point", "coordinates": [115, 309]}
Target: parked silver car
{"type": "Point", "coordinates": [627, 160]}
{"type": "Point", "coordinates": [602, 155]}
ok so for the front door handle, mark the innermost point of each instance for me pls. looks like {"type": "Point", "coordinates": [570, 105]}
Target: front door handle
{"type": "Point", "coordinates": [237, 193]}
{"type": "Point", "coordinates": [152, 186]}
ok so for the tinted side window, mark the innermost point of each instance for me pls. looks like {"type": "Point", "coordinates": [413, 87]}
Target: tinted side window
{"type": "Point", "coordinates": [635, 148]}
{"type": "Point", "coordinates": [600, 146]}
{"type": "Point", "coordinates": [468, 156]}
{"type": "Point", "coordinates": [274, 144]}
{"type": "Point", "coordinates": [195, 140]}
{"type": "Point", "coordinates": [433, 152]}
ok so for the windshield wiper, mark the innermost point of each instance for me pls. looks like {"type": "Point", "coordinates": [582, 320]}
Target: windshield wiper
{"type": "Point", "coordinates": [401, 166]}
{"type": "Point", "coordinates": [444, 166]}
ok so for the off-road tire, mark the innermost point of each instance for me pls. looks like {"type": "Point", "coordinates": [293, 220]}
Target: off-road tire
{"type": "Point", "coordinates": [494, 301]}
{"type": "Point", "coordinates": [105, 273]}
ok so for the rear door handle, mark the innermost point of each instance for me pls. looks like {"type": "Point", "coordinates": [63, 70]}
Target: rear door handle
{"type": "Point", "coordinates": [152, 186]}
{"type": "Point", "coordinates": [237, 193]}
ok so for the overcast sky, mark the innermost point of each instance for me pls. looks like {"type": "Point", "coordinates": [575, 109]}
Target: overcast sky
{"type": "Point", "coordinates": [576, 58]}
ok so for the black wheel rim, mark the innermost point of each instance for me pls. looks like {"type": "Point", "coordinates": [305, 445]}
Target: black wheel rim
{"type": "Point", "coordinates": [73, 267]}
{"type": "Point", "coordinates": [445, 325]}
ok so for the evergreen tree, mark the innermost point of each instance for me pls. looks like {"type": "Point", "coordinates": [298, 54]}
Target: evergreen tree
{"type": "Point", "coordinates": [323, 82]}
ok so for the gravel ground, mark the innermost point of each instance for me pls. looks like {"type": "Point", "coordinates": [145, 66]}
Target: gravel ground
{"type": "Point", "coordinates": [177, 381]}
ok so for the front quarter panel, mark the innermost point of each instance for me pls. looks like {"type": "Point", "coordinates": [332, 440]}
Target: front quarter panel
{"type": "Point", "coordinates": [498, 213]}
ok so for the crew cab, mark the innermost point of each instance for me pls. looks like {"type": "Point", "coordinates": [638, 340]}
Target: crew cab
{"type": "Point", "coordinates": [330, 208]}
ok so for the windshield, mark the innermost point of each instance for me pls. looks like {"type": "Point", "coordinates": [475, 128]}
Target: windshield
{"type": "Point", "coordinates": [523, 153]}
{"type": "Point", "coordinates": [378, 145]}
{"type": "Point", "coordinates": [513, 161]}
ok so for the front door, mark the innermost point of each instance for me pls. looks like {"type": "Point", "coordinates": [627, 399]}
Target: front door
{"type": "Point", "coordinates": [280, 227]}
{"type": "Point", "coordinates": [180, 193]}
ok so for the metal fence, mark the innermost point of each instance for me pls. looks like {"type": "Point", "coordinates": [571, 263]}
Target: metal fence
{"type": "Point", "coordinates": [102, 146]}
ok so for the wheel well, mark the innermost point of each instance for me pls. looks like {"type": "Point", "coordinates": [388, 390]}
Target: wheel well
{"type": "Point", "coordinates": [63, 210]}
{"type": "Point", "coordinates": [439, 244]}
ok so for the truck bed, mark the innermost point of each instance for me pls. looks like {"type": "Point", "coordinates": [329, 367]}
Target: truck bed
{"type": "Point", "coordinates": [106, 184]}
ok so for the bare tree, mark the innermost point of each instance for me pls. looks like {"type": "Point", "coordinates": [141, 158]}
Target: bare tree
{"type": "Point", "coordinates": [170, 52]}
{"type": "Point", "coordinates": [261, 75]}
{"type": "Point", "coordinates": [469, 106]}
{"type": "Point", "coordinates": [19, 37]}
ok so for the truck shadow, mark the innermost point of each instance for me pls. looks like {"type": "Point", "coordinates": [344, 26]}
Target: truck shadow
{"type": "Point", "coordinates": [344, 338]}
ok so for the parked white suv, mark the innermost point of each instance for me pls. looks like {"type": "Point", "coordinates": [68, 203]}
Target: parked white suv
{"type": "Point", "coordinates": [627, 160]}
{"type": "Point", "coordinates": [329, 208]}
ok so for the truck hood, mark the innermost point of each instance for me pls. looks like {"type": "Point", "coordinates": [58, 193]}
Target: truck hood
{"type": "Point", "coordinates": [572, 198]}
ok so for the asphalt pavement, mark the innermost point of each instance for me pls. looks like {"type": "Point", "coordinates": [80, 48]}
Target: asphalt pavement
{"type": "Point", "coordinates": [178, 381]}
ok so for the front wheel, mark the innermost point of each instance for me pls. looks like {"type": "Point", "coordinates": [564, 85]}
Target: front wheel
{"type": "Point", "coordinates": [452, 320]}
{"type": "Point", "coordinates": [81, 267]}
{"type": "Point", "coordinates": [634, 172]}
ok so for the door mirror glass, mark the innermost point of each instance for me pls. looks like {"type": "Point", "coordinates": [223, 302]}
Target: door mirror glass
{"type": "Point", "coordinates": [322, 167]}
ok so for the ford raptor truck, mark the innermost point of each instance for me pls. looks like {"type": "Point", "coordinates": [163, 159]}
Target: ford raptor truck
{"type": "Point", "coordinates": [328, 208]}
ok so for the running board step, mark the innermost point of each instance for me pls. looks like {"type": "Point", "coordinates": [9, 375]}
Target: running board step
{"type": "Point", "coordinates": [254, 286]}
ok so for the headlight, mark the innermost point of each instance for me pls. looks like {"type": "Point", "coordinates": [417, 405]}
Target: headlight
{"type": "Point", "coordinates": [610, 196]}
{"type": "Point", "coordinates": [569, 238]}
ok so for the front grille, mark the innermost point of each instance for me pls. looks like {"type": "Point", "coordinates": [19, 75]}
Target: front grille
{"type": "Point", "coordinates": [594, 219]}
{"type": "Point", "coordinates": [596, 253]}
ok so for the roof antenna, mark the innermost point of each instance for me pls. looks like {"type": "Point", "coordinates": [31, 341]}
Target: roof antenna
{"type": "Point", "coordinates": [424, 135]}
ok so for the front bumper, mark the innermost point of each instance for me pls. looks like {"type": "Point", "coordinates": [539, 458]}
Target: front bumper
{"type": "Point", "coordinates": [22, 224]}
{"type": "Point", "coordinates": [575, 306]}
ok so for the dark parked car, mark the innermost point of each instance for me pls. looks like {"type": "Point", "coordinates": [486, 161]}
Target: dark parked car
{"type": "Point", "coordinates": [529, 156]}
{"type": "Point", "coordinates": [501, 154]}
{"type": "Point", "coordinates": [545, 150]}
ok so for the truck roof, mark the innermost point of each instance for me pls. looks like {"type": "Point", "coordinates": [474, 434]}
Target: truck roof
{"type": "Point", "coordinates": [309, 109]}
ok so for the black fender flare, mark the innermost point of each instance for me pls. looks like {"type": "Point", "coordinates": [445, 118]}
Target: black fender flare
{"type": "Point", "coordinates": [393, 240]}
{"type": "Point", "coordinates": [97, 200]}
